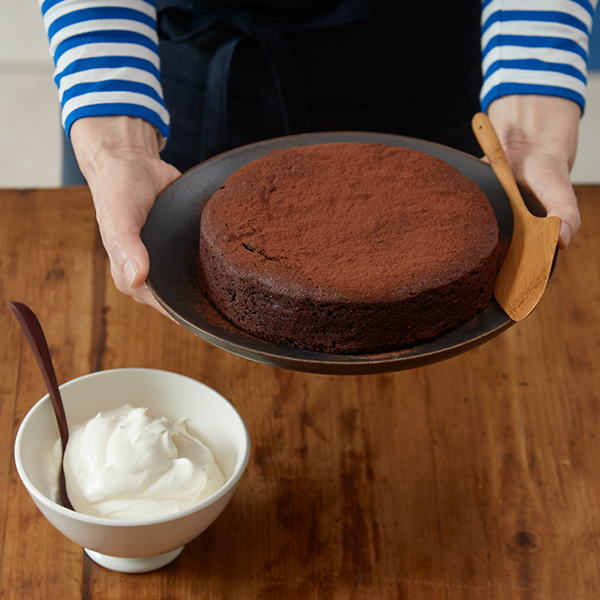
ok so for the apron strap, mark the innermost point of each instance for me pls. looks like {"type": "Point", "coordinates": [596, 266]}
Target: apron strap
{"type": "Point", "coordinates": [214, 111]}
{"type": "Point", "coordinates": [268, 30]}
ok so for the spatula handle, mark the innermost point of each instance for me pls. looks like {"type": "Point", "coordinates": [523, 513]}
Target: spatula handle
{"type": "Point", "coordinates": [492, 148]}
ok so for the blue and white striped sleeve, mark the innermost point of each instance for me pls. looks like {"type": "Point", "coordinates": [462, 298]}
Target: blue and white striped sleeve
{"type": "Point", "coordinates": [535, 47]}
{"type": "Point", "coordinates": [106, 58]}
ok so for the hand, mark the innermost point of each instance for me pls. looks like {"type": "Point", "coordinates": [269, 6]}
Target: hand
{"type": "Point", "coordinates": [119, 157]}
{"type": "Point", "coordinates": [539, 137]}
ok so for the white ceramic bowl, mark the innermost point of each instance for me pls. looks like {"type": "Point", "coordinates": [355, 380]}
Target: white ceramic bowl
{"type": "Point", "coordinates": [133, 546]}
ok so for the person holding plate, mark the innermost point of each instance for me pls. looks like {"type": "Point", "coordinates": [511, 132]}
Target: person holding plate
{"type": "Point", "coordinates": [149, 89]}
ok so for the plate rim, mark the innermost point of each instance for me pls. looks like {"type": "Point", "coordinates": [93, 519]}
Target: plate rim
{"type": "Point", "coordinates": [290, 357]}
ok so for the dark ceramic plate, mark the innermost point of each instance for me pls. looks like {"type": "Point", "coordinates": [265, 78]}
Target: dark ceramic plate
{"type": "Point", "coordinates": [171, 236]}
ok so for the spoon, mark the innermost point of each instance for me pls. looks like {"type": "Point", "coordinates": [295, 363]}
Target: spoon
{"type": "Point", "coordinates": [525, 271]}
{"type": "Point", "coordinates": [37, 340]}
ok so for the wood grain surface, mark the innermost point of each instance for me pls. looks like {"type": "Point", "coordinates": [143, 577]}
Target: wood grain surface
{"type": "Point", "coordinates": [474, 478]}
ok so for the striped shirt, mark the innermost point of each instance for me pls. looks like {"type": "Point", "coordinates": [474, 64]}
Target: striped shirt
{"type": "Point", "coordinates": [535, 47]}
{"type": "Point", "coordinates": [106, 58]}
{"type": "Point", "coordinates": [107, 63]}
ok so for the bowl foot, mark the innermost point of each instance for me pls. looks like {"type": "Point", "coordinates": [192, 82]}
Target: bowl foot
{"type": "Point", "coordinates": [133, 565]}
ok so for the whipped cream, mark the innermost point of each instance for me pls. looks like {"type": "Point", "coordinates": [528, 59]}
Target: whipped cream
{"type": "Point", "coordinates": [129, 464]}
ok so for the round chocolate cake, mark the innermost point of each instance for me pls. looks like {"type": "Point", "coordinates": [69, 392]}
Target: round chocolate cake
{"type": "Point", "coordinates": [348, 248]}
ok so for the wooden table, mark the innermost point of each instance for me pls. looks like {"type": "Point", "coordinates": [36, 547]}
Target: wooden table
{"type": "Point", "coordinates": [478, 477]}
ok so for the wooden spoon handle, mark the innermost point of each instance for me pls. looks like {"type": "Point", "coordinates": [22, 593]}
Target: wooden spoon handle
{"type": "Point", "coordinates": [490, 144]}
{"type": "Point", "coordinates": [37, 340]}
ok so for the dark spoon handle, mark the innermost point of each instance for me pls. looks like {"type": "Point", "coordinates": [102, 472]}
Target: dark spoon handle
{"type": "Point", "coordinates": [37, 340]}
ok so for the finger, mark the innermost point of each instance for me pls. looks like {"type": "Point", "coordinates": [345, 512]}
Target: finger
{"type": "Point", "coordinates": [556, 193]}
{"type": "Point", "coordinates": [129, 259]}
{"type": "Point", "coordinates": [141, 294]}
{"type": "Point", "coordinates": [145, 296]}
{"type": "Point", "coordinates": [566, 235]}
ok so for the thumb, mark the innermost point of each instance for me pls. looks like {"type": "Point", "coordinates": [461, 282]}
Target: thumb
{"type": "Point", "coordinates": [129, 259]}
{"type": "Point", "coordinates": [130, 264]}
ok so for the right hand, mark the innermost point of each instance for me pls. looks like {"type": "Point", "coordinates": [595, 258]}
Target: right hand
{"type": "Point", "coordinates": [119, 157]}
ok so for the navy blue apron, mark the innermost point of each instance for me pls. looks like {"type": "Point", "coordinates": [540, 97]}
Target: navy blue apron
{"type": "Point", "coordinates": [241, 71]}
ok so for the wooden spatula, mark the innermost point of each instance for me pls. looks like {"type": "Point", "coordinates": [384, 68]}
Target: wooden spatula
{"type": "Point", "coordinates": [525, 271]}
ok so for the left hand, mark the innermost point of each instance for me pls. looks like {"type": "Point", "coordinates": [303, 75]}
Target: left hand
{"type": "Point", "coordinates": [539, 137]}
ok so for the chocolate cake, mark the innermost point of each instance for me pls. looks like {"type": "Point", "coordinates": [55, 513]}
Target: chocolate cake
{"type": "Point", "coordinates": [348, 248]}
